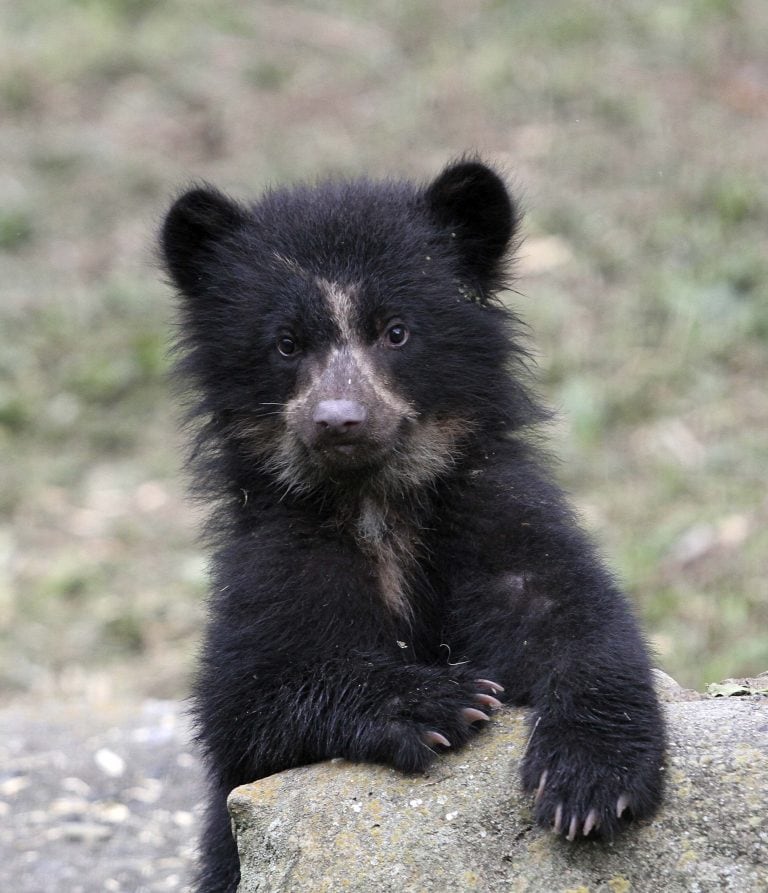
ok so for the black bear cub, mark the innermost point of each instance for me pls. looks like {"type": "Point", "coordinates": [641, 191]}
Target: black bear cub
{"type": "Point", "coordinates": [392, 559]}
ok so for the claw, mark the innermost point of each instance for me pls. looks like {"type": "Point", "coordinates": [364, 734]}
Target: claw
{"type": "Point", "coordinates": [489, 701]}
{"type": "Point", "coordinates": [558, 826]}
{"type": "Point", "coordinates": [494, 686]}
{"type": "Point", "coordinates": [622, 804]}
{"type": "Point", "coordinates": [572, 829]}
{"type": "Point", "coordinates": [435, 738]}
{"type": "Point", "coordinates": [540, 788]}
{"type": "Point", "coordinates": [591, 822]}
{"type": "Point", "coordinates": [471, 714]}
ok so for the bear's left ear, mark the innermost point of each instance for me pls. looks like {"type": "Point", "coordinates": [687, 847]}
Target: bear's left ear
{"type": "Point", "coordinates": [198, 221]}
{"type": "Point", "coordinates": [471, 201]}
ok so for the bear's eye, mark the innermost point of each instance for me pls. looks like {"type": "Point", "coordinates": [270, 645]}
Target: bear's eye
{"type": "Point", "coordinates": [287, 345]}
{"type": "Point", "coordinates": [396, 335]}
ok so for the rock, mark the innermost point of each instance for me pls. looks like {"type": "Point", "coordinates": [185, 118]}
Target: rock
{"type": "Point", "coordinates": [728, 688]}
{"type": "Point", "coordinates": [465, 825]}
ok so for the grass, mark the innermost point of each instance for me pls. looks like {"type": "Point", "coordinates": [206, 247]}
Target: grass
{"type": "Point", "coordinates": [637, 135]}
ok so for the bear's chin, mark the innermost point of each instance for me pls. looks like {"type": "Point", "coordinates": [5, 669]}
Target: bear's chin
{"type": "Point", "coordinates": [351, 458]}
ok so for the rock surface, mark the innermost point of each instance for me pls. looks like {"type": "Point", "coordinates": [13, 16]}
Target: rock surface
{"type": "Point", "coordinates": [465, 826]}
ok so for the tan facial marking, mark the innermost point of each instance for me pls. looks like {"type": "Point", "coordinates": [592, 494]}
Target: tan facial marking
{"type": "Point", "coordinates": [377, 384]}
{"type": "Point", "coordinates": [340, 301]}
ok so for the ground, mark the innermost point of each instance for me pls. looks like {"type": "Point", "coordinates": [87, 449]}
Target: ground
{"type": "Point", "coordinates": [97, 798]}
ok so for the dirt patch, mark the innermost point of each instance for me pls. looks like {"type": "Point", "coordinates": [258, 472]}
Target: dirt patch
{"type": "Point", "coordinates": [97, 798]}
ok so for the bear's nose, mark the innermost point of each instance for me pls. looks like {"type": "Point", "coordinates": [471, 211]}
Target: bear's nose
{"type": "Point", "coordinates": [339, 416]}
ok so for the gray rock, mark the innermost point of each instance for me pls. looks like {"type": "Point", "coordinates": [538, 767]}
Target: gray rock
{"type": "Point", "coordinates": [465, 825]}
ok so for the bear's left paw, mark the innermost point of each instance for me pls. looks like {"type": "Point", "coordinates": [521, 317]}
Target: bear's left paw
{"type": "Point", "coordinates": [585, 788]}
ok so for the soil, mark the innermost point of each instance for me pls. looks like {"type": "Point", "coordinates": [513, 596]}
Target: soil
{"type": "Point", "coordinates": [97, 798]}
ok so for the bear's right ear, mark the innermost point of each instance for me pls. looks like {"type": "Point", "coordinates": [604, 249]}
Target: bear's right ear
{"type": "Point", "coordinates": [197, 221]}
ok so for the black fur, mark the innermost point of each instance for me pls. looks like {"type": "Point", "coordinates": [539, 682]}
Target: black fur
{"type": "Point", "coordinates": [368, 571]}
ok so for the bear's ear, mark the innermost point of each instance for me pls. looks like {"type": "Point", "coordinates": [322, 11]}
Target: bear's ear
{"type": "Point", "coordinates": [472, 202]}
{"type": "Point", "coordinates": [197, 221]}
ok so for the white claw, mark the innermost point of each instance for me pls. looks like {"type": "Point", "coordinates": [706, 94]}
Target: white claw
{"type": "Point", "coordinates": [558, 827]}
{"type": "Point", "coordinates": [591, 822]}
{"type": "Point", "coordinates": [472, 714]}
{"type": "Point", "coordinates": [489, 701]}
{"type": "Point", "coordinates": [572, 829]}
{"type": "Point", "coordinates": [435, 738]}
{"type": "Point", "coordinates": [540, 788]}
{"type": "Point", "coordinates": [622, 804]}
{"type": "Point", "coordinates": [494, 686]}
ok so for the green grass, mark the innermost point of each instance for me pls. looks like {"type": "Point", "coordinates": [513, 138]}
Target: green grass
{"type": "Point", "coordinates": [638, 137]}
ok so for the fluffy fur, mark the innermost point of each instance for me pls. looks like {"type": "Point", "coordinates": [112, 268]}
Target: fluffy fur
{"type": "Point", "coordinates": [388, 549]}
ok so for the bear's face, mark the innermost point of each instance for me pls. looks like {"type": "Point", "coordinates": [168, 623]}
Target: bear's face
{"type": "Point", "coordinates": [343, 332]}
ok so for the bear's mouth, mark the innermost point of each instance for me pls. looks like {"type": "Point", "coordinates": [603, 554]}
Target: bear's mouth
{"type": "Point", "coordinates": [350, 453]}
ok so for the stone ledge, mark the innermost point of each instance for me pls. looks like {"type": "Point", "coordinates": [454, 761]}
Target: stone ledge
{"type": "Point", "coordinates": [466, 826]}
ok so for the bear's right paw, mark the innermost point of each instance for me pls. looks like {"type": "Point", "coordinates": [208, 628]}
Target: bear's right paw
{"type": "Point", "coordinates": [435, 717]}
{"type": "Point", "coordinates": [470, 715]}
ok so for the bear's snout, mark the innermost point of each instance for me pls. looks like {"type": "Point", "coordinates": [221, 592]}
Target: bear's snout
{"type": "Point", "coordinates": [334, 418]}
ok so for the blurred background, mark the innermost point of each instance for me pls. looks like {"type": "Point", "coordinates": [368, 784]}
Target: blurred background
{"type": "Point", "coordinates": [636, 133]}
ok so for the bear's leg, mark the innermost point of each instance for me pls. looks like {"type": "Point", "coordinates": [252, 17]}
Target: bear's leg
{"type": "Point", "coordinates": [219, 870]}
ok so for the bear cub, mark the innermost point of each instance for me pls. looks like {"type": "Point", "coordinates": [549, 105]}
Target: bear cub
{"type": "Point", "coordinates": [392, 559]}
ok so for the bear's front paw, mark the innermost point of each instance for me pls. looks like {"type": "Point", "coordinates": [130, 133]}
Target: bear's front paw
{"type": "Point", "coordinates": [437, 716]}
{"type": "Point", "coordinates": [470, 715]}
{"type": "Point", "coordinates": [583, 785]}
